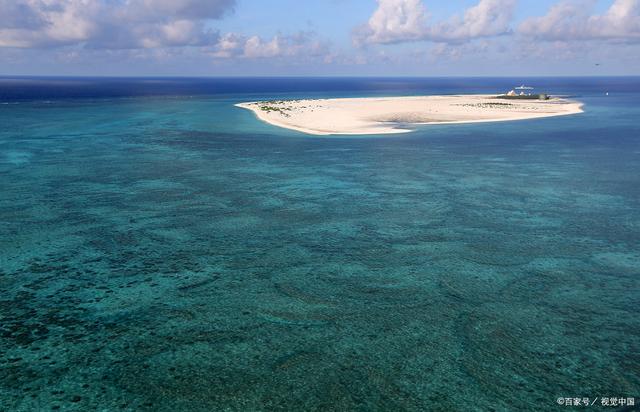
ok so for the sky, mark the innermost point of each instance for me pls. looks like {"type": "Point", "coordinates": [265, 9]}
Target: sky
{"type": "Point", "coordinates": [319, 37]}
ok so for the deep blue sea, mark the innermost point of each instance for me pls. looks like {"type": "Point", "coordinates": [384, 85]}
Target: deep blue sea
{"type": "Point", "coordinates": [163, 250]}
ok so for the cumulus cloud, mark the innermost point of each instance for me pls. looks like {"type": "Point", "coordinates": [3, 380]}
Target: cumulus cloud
{"type": "Point", "coordinates": [228, 45]}
{"type": "Point", "coordinates": [396, 21]}
{"type": "Point", "coordinates": [487, 18]}
{"type": "Point", "coordinates": [254, 47]}
{"type": "Point", "coordinates": [31, 23]}
{"type": "Point", "coordinates": [567, 21]}
{"type": "Point", "coordinates": [108, 24]}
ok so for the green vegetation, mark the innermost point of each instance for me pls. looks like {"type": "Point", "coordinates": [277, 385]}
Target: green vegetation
{"type": "Point", "coordinates": [270, 106]}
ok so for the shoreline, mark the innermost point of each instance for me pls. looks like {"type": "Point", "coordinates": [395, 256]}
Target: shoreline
{"type": "Point", "coordinates": [261, 115]}
{"type": "Point", "coordinates": [395, 115]}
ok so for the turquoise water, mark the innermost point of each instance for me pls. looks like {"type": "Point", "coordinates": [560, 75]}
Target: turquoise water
{"type": "Point", "coordinates": [170, 252]}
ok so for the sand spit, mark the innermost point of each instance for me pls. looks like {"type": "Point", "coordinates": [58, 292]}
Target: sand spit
{"type": "Point", "coordinates": [397, 114]}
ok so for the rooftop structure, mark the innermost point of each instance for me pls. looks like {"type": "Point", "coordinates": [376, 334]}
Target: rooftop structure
{"type": "Point", "coordinates": [523, 92]}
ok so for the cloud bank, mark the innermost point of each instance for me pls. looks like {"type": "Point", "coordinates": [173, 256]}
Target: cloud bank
{"type": "Point", "coordinates": [397, 36]}
{"type": "Point", "coordinates": [233, 45]}
{"type": "Point", "coordinates": [141, 24]}
{"type": "Point", "coordinates": [396, 21]}
{"type": "Point", "coordinates": [567, 21]}
{"type": "Point", "coordinates": [108, 23]}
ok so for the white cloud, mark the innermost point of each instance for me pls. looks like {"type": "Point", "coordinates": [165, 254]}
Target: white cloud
{"type": "Point", "coordinates": [31, 23]}
{"type": "Point", "coordinates": [396, 21]}
{"type": "Point", "coordinates": [302, 44]}
{"type": "Point", "coordinates": [255, 47]}
{"type": "Point", "coordinates": [487, 18]}
{"type": "Point", "coordinates": [140, 25]}
{"type": "Point", "coordinates": [568, 21]}
{"type": "Point", "coordinates": [228, 45]}
{"type": "Point", "coordinates": [108, 24]}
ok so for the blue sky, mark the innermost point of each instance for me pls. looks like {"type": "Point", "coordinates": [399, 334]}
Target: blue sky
{"type": "Point", "coordinates": [319, 37]}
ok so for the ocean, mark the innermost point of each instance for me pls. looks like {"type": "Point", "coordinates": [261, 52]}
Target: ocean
{"type": "Point", "coordinates": [161, 249]}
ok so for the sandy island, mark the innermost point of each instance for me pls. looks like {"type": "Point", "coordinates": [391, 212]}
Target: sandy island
{"type": "Point", "coordinates": [397, 114]}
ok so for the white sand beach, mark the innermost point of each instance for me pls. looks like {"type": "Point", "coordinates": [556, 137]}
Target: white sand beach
{"type": "Point", "coordinates": [386, 115]}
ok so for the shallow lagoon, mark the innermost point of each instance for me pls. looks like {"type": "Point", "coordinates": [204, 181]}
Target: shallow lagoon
{"type": "Point", "coordinates": [171, 252]}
